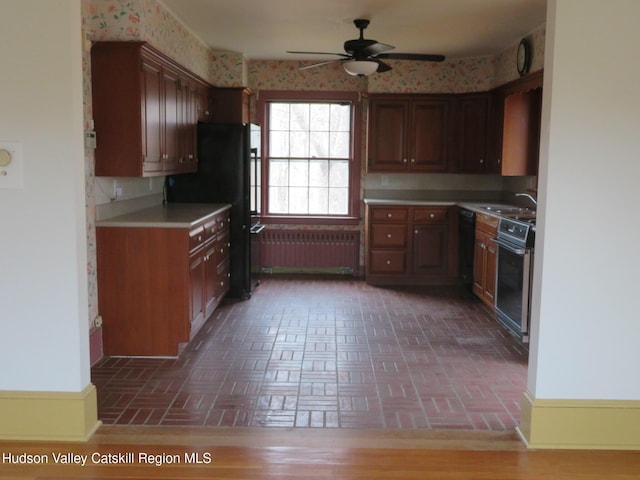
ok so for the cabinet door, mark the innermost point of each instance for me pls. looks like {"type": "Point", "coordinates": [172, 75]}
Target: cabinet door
{"type": "Point", "coordinates": [521, 133]}
{"type": "Point", "coordinates": [430, 249]}
{"type": "Point", "coordinates": [429, 136]}
{"type": "Point", "coordinates": [202, 94]}
{"type": "Point", "coordinates": [152, 121]}
{"type": "Point", "coordinates": [479, 261]}
{"type": "Point", "coordinates": [472, 133]}
{"type": "Point", "coordinates": [196, 280]}
{"type": "Point", "coordinates": [211, 278]}
{"type": "Point", "coordinates": [191, 127]}
{"type": "Point", "coordinates": [172, 114]}
{"type": "Point", "coordinates": [388, 124]}
{"type": "Point", "coordinates": [491, 271]}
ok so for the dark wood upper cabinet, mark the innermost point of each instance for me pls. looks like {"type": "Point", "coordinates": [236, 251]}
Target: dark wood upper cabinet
{"type": "Point", "coordinates": [409, 133]}
{"type": "Point", "coordinates": [495, 132]}
{"type": "Point", "coordinates": [145, 110]}
{"type": "Point", "coordinates": [230, 105]}
{"type": "Point", "coordinates": [472, 132]}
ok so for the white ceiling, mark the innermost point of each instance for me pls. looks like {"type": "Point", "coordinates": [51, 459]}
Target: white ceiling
{"type": "Point", "coordinates": [266, 29]}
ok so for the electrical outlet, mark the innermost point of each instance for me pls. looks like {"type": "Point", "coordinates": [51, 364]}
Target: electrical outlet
{"type": "Point", "coordinates": [98, 321]}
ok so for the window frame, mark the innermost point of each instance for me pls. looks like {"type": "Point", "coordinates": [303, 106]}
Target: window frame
{"type": "Point", "coordinates": [353, 216]}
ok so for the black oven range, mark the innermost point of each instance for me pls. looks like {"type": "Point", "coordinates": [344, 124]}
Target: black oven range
{"type": "Point", "coordinates": [515, 240]}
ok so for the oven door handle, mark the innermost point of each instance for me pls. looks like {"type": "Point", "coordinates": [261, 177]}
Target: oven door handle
{"type": "Point", "coordinates": [509, 247]}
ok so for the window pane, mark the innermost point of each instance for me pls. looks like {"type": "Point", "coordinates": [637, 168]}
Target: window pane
{"type": "Point", "coordinates": [338, 201]}
{"type": "Point", "coordinates": [300, 117]}
{"type": "Point", "coordinates": [318, 201]}
{"type": "Point", "coordinates": [298, 200]}
{"type": "Point", "coordinates": [279, 144]}
{"type": "Point", "coordinates": [340, 142]}
{"type": "Point", "coordinates": [279, 173]}
{"type": "Point", "coordinates": [279, 116]}
{"type": "Point", "coordinates": [319, 147]}
{"type": "Point", "coordinates": [319, 173]}
{"type": "Point", "coordinates": [299, 173]}
{"type": "Point", "coordinates": [320, 117]}
{"type": "Point", "coordinates": [339, 173]}
{"type": "Point", "coordinates": [299, 144]}
{"type": "Point", "coordinates": [278, 199]}
{"type": "Point", "coordinates": [340, 118]}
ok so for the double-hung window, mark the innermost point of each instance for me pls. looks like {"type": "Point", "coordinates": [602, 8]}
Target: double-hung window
{"type": "Point", "coordinates": [310, 151]}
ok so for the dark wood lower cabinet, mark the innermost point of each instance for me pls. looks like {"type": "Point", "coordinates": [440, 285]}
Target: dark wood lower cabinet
{"type": "Point", "coordinates": [485, 258]}
{"type": "Point", "coordinates": [408, 245]}
{"type": "Point", "coordinates": [158, 285]}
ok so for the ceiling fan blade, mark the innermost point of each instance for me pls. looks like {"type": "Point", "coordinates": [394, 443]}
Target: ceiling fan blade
{"type": "Point", "coordinates": [306, 67]}
{"type": "Point", "coordinates": [375, 49]}
{"type": "Point", "coordinates": [424, 57]}
{"type": "Point", "coordinates": [320, 53]}
{"type": "Point", "coordinates": [382, 67]}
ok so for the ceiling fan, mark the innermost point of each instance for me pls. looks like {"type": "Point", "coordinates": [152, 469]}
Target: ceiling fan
{"type": "Point", "coordinates": [364, 56]}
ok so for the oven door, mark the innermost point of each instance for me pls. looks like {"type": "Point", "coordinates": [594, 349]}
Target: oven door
{"type": "Point", "coordinates": [512, 288]}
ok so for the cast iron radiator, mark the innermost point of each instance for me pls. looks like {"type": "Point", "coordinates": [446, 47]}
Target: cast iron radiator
{"type": "Point", "coordinates": [309, 250]}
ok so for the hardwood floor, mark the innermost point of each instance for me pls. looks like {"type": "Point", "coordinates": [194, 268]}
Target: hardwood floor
{"type": "Point", "coordinates": [275, 453]}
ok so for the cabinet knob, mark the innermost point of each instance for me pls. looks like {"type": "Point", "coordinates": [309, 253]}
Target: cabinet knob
{"type": "Point", "coordinates": [432, 215]}
{"type": "Point", "coordinates": [404, 160]}
{"type": "Point", "coordinates": [481, 160]}
{"type": "Point", "coordinates": [413, 160]}
{"type": "Point", "coordinates": [222, 250]}
{"type": "Point", "coordinates": [388, 235]}
{"type": "Point", "coordinates": [388, 262]}
{"type": "Point", "coordinates": [191, 156]}
{"type": "Point", "coordinates": [415, 231]}
{"type": "Point", "coordinates": [199, 238]}
{"type": "Point", "coordinates": [389, 215]}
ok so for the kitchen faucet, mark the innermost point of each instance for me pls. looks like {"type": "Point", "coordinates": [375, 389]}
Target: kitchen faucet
{"type": "Point", "coordinates": [535, 202]}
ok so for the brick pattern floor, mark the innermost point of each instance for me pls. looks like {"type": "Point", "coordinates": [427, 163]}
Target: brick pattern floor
{"type": "Point", "coordinates": [319, 352]}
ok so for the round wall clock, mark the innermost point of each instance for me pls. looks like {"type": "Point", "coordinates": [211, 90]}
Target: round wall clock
{"type": "Point", "coordinates": [523, 57]}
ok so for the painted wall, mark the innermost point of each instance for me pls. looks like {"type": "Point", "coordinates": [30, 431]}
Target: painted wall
{"type": "Point", "coordinates": [586, 323]}
{"type": "Point", "coordinates": [43, 280]}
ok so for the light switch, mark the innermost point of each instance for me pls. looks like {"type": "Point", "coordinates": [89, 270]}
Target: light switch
{"type": "Point", "coordinates": [10, 165]}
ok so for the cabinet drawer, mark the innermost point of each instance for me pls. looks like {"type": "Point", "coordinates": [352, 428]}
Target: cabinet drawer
{"type": "Point", "coordinates": [196, 238]}
{"type": "Point", "coordinates": [388, 236]}
{"type": "Point", "coordinates": [382, 261]}
{"type": "Point", "coordinates": [211, 228]}
{"type": "Point", "coordinates": [389, 214]}
{"type": "Point", "coordinates": [431, 215]}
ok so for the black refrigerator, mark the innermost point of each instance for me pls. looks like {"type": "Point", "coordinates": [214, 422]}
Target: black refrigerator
{"type": "Point", "coordinates": [228, 172]}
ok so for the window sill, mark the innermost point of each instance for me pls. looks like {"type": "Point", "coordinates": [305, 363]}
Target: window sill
{"type": "Point", "coordinates": [308, 220]}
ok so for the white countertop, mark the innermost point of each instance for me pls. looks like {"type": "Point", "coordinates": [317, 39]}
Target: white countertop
{"type": "Point", "coordinates": [171, 215]}
{"type": "Point", "coordinates": [385, 201]}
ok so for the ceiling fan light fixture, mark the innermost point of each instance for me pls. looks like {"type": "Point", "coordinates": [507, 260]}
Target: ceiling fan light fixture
{"type": "Point", "coordinates": [360, 68]}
